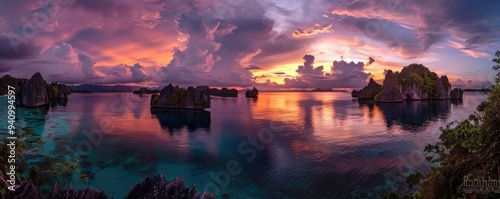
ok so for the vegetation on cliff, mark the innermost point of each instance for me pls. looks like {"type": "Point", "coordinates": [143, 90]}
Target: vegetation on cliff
{"type": "Point", "coordinates": [468, 148]}
{"type": "Point", "coordinates": [146, 91]}
{"type": "Point", "coordinates": [175, 97]}
{"type": "Point", "coordinates": [414, 82]}
{"type": "Point", "coordinates": [42, 174]}
{"type": "Point", "coordinates": [224, 92]}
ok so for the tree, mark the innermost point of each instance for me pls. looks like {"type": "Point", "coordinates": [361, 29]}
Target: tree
{"type": "Point", "coordinates": [467, 148]}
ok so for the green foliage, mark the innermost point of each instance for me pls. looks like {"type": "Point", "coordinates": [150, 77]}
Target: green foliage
{"type": "Point", "coordinates": [178, 95]}
{"type": "Point", "coordinates": [470, 147]}
{"type": "Point", "coordinates": [202, 103]}
{"type": "Point", "coordinates": [377, 96]}
{"type": "Point", "coordinates": [154, 99]}
{"type": "Point", "coordinates": [413, 179]}
{"type": "Point", "coordinates": [5, 81]}
{"type": "Point", "coordinates": [43, 174]}
{"type": "Point", "coordinates": [422, 77]}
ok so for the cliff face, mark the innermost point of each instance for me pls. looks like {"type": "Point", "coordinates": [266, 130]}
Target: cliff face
{"type": "Point", "coordinates": [157, 187]}
{"type": "Point", "coordinates": [254, 93]}
{"type": "Point", "coordinates": [33, 92]}
{"type": "Point", "coordinates": [415, 82]}
{"type": "Point", "coordinates": [181, 98]}
{"type": "Point", "coordinates": [391, 92]}
{"type": "Point", "coordinates": [57, 91]}
{"type": "Point", "coordinates": [369, 91]}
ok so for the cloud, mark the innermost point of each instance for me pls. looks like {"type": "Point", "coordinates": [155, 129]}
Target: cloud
{"type": "Point", "coordinates": [308, 68]}
{"type": "Point", "coordinates": [252, 67]}
{"type": "Point", "coordinates": [217, 51]}
{"type": "Point", "coordinates": [415, 26]}
{"type": "Point", "coordinates": [87, 64]}
{"type": "Point", "coordinates": [342, 75]}
{"type": "Point", "coordinates": [370, 61]}
{"type": "Point", "coordinates": [317, 29]}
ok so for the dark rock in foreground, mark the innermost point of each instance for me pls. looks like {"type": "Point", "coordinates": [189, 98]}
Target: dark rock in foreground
{"type": "Point", "coordinates": [224, 92]}
{"type": "Point", "coordinates": [27, 189]}
{"type": "Point", "coordinates": [68, 193]}
{"type": "Point", "coordinates": [176, 97]}
{"type": "Point", "coordinates": [33, 92]}
{"type": "Point", "coordinates": [254, 93]}
{"type": "Point", "coordinates": [158, 188]}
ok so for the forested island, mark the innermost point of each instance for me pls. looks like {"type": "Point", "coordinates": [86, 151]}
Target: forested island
{"type": "Point", "coordinates": [33, 92]}
{"type": "Point", "coordinates": [414, 82]}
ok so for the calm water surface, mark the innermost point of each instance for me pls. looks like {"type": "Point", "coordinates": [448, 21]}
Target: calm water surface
{"type": "Point", "coordinates": [321, 145]}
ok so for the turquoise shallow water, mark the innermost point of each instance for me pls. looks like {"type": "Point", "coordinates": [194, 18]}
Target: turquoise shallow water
{"type": "Point", "coordinates": [282, 145]}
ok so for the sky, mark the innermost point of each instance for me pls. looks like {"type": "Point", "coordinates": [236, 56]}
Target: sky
{"type": "Point", "coordinates": [270, 44]}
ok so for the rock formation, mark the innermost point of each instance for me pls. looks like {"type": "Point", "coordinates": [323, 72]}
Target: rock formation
{"type": "Point", "coordinates": [33, 92]}
{"type": "Point", "coordinates": [158, 188]}
{"type": "Point", "coordinates": [390, 92]}
{"type": "Point", "coordinates": [456, 93]}
{"type": "Point", "coordinates": [414, 82]}
{"type": "Point", "coordinates": [254, 93]}
{"type": "Point", "coordinates": [145, 91]}
{"type": "Point", "coordinates": [57, 91]}
{"type": "Point", "coordinates": [369, 91]}
{"type": "Point", "coordinates": [180, 98]}
{"type": "Point", "coordinates": [8, 80]}
{"type": "Point", "coordinates": [224, 92]}
{"type": "Point", "coordinates": [354, 93]}
{"type": "Point", "coordinates": [27, 189]}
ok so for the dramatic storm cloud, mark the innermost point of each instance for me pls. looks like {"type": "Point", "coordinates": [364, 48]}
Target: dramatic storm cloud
{"type": "Point", "coordinates": [245, 42]}
{"type": "Point", "coordinates": [341, 75]}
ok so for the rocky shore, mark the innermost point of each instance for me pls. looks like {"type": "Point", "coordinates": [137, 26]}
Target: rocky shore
{"type": "Point", "coordinates": [156, 187]}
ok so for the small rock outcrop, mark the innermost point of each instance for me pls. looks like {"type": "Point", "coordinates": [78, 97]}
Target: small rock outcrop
{"type": "Point", "coordinates": [354, 93]}
{"type": "Point", "coordinates": [145, 91]}
{"type": "Point", "coordinates": [158, 187]}
{"type": "Point", "coordinates": [176, 97]}
{"type": "Point", "coordinates": [33, 92]}
{"type": "Point", "coordinates": [254, 93]}
{"type": "Point", "coordinates": [457, 93]}
{"type": "Point", "coordinates": [224, 92]}
{"type": "Point", "coordinates": [369, 91]}
{"type": "Point", "coordinates": [57, 91]}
